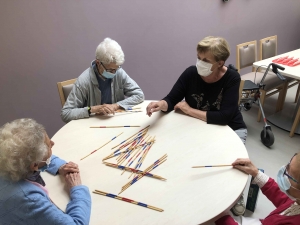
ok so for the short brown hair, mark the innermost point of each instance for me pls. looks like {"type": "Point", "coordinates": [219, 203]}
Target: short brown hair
{"type": "Point", "coordinates": [218, 46]}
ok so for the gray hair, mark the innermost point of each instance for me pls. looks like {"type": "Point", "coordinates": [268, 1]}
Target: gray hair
{"type": "Point", "coordinates": [109, 51]}
{"type": "Point", "coordinates": [218, 46]}
{"type": "Point", "coordinates": [22, 142]}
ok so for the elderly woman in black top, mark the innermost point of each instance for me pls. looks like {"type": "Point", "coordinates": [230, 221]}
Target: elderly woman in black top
{"type": "Point", "coordinates": [211, 93]}
{"type": "Point", "coordinates": [210, 89]}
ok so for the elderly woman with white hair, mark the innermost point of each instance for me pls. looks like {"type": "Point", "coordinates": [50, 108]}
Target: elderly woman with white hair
{"type": "Point", "coordinates": [25, 150]}
{"type": "Point", "coordinates": [104, 87]}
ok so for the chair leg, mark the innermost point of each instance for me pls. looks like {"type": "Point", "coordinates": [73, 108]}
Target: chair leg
{"type": "Point", "coordinates": [295, 123]}
{"type": "Point", "coordinates": [297, 93]}
{"type": "Point", "coordinates": [262, 101]}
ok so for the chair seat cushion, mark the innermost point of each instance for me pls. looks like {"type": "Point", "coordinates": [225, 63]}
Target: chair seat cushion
{"type": "Point", "coordinates": [271, 80]}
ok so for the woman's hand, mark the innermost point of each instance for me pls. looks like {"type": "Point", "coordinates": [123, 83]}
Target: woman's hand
{"type": "Point", "coordinates": [246, 166]}
{"type": "Point", "coordinates": [72, 180]}
{"type": "Point", "coordinates": [183, 106]}
{"type": "Point", "coordinates": [156, 106]}
{"type": "Point", "coordinates": [68, 168]}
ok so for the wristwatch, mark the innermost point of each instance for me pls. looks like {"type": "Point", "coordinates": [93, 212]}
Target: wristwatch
{"type": "Point", "coordinates": [89, 110]}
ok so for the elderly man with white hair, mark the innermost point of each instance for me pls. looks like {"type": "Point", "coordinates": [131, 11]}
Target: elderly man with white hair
{"type": "Point", "coordinates": [25, 151]}
{"type": "Point", "coordinates": [104, 87]}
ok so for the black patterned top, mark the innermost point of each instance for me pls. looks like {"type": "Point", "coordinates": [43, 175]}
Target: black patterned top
{"type": "Point", "coordinates": [219, 99]}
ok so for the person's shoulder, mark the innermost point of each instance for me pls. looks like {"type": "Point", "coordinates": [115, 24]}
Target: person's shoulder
{"type": "Point", "coordinates": [20, 190]}
{"type": "Point", "coordinates": [232, 74]}
{"type": "Point", "coordinates": [85, 75]}
{"type": "Point", "coordinates": [190, 72]}
{"type": "Point", "coordinates": [121, 74]}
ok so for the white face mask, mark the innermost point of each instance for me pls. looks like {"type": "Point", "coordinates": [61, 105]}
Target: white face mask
{"type": "Point", "coordinates": [203, 68]}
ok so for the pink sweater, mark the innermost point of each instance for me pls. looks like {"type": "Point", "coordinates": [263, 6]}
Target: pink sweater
{"type": "Point", "coordinates": [280, 200]}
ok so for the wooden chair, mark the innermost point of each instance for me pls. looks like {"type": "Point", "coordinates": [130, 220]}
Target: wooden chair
{"type": "Point", "coordinates": [64, 89]}
{"type": "Point", "coordinates": [268, 49]}
{"type": "Point", "coordinates": [246, 55]}
{"type": "Point", "coordinates": [295, 123]}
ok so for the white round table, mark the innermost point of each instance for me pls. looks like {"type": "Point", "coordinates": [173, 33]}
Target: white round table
{"type": "Point", "coordinates": [188, 196]}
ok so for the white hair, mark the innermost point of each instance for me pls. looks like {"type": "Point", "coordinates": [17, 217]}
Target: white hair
{"type": "Point", "coordinates": [109, 51]}
{"type": "Point", "coordinates": [22, 142]}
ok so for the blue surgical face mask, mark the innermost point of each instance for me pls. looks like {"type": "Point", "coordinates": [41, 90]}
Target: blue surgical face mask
{"type": "Point", "coordinates": [48, 161]}
{"type": "Point", "coordinates": [284, 183]}
{"type": "Point", "coordinates": [108, 75]}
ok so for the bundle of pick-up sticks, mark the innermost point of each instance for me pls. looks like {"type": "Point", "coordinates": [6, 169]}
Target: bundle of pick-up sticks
{"type": "Point", "coordinates": [136, 147]}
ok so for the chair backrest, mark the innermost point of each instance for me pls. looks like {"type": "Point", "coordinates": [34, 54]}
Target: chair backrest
{"type": "Point", "coordinates": [246, 55]}
{"type": "Point", "coordinates": [64, 89]}
{"type": "Point", "coordinates": [267, 47]}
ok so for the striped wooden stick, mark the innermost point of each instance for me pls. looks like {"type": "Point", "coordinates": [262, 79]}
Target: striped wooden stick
{"type": "Point", "coordinates": [101, 146]}
{"type": "Point", "coordinates": [211, 166]}
{"type": "Point", "coordinates": [127, 200]}
{"type": "Point", "coordinates": [131, 136]}
{"type": "Point", "coordinates": [141, 159]}
{"type": "Point", "coordinates": [133, 139]}
{"type": "Point", "coordinates": [151, 167]}
{"type": "Point", "coordinates": [113, 126]}
{"type": "Point", "coordinates": [139, 176]}
{"type": "Point", "coordinates": [132, 169]}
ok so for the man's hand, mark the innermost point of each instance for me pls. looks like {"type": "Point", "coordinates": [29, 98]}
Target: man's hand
{"type": "Point", "coordinates": [183, 106]}
{"type": "Point", "coordinates": [105, 109]}
{"type": "Point", "coordinates": [246, 166]}
{"type": "Point", "coordinates": [68, 168]}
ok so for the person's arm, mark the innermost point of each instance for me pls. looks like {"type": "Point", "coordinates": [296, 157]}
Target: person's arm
{"type": "Point", "coordinates": [43, 211]}
{"type": "Point", "coordinates": [178, 91]}
{"type": "Point", "coordinates": [54, 166]}
{"type": "Point", "coordinates": [226, 220]}
{"type": "Point", "coordinates": [268, 186]}
{"type": "Point", "coordinates": [131, 90]}
{"type": "Point", "coordinates": [184, 107]}
{"type": "Point", "coordinates": [274, 194]}
{"type": "Point", "coordinates": [74, 106]}
{"type": "Point", "coordinates": [229, 104]}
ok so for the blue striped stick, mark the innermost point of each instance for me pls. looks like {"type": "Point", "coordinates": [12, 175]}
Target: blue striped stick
{"type": "Point", "coordinates": [150, 168]}
{"type": "Point", "coordinates": [134, 170]}
{"type": "Point", "coordinates": [133, 147]}
{"type": "Point", "coordinates": [113, 126]}
{"type": "Point", "coordinates": [144, 142]}
{"type": "Point", "coordinates": [131, 136]}
{"type": "Point", "coordinates": [211, 166]}
{"type": "Point", "coordinates": [137, 164]}
{"type": "Point", "coordinates": [116, 153]}
{"type": "Point", "coordinates": [127, 200]}
{"type": "Point", "coordinates": [133, 139]}
{"type": "Point", "coordinates": [101, 146]}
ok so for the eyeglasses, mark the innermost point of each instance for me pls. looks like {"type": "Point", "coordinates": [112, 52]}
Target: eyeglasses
{"type": "Point", "coordinates": [285, 171]}
{"type": "Point", "coordinates": [111, 70]}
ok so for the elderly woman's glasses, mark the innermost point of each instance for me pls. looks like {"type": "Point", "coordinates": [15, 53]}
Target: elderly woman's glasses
{"type": "Point", "coordinates": [285, 171]}
{"type": "Point", "coordinates": [111, 70]}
